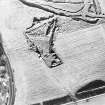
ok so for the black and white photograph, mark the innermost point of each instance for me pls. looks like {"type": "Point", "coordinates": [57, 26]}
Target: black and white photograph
{"type": "Point", "coordinates": [52, 52]}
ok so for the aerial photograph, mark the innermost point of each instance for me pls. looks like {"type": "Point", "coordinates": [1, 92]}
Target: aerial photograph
{"type": "Point", "coordinates": [52, 52]}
